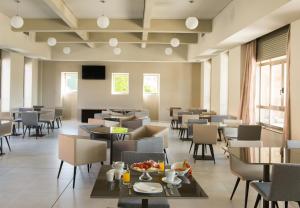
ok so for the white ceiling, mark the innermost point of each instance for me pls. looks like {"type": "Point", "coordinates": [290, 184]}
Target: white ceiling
{"type": "Point", "coordinates": [28, 9]}
{"type": "Point", "coordinates": [121, 9]}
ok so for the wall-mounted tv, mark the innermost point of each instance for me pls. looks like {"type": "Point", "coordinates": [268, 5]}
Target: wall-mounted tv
{"type": "Point", "coordinates": [93, 72]}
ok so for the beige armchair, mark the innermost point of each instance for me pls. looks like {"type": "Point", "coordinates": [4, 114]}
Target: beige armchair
{"type": "Point", "coordinates": [78, 150]}
{"type": "Point", "coordinates": [5, 131]}
{"type": "Point", "coordinates": [204, 135]}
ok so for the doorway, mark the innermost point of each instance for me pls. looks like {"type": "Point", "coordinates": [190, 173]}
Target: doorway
{"type": "Point", "coordinates": [69, 93]}
{"type": "Point", "coordinates": [151, 94]}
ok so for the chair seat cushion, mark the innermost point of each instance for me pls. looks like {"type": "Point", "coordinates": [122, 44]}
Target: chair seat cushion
{"type": "Point", "coordinates": [263, 188]}
{"type": "Point", "coordinates": [136, 203]}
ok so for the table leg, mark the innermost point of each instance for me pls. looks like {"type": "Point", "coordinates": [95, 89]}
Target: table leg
{"type": "Point", "coordinates": [111, 148]}
{"type": "Point", "coordinates": [266, 178]}
{"type": "Point", "coordinates": [144, 203]}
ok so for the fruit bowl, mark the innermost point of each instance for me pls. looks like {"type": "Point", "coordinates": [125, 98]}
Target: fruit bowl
{"type": "Point", "coordinates": [181, 168]}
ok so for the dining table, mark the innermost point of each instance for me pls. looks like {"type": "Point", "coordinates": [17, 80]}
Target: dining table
{"type": "Point", "coordinates": [110, 131]}
{"type": "Point", "coordinates": [265, 156]}
{"type": "Point", "coordinates": [189, 188]}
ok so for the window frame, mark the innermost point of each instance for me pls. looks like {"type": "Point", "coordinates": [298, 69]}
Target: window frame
{"type": "Point", "coordinates": [113, 92]}
{"type": "Point", "coordinates": [158, 84]}
{"type": "Point", "coordinates": [282, 60]}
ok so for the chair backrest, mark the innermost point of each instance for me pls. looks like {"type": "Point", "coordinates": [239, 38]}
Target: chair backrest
{"type": "Point", "coordinates": [285, 182]}
{"type": "Point", "coordinates": [232, 121]}
{"type": "Point", "coordinates": [293, 144]}
{"type": "Point", "coordinates": [195, 121]}
{"type": "Point", "coordinates": [150, 145]}
{"type": "Point", "coordinates": [47, 114]}
{"type": "Point", "coordinates": [30, 118]}
{"type": "Point", "coordinates": [237, 143]}
{"type": "Point", "coordinates": [25, 109]}
{"type": "Point", "coordinates": [186, 118]}
{"type": "Point", "coordinates": [205, 134]}
{"type": "Point", "coordinates": [130, 157]}
{"type": "Point", "coordinates": [58, 112]}
{"type": "Point", "coordinates": [6, 129]}
{"type": "Point", "coordinates": [249, 132]}
{"type": "Point", "coordinates": [96, 121]}
{"type": "Point", "coordinates": [220, 118]}
{"type": "Point", "coordinates": [5, 116]}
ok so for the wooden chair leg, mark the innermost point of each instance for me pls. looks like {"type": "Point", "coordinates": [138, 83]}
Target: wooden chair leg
{"type": "Point", "coordinates": [74, 176]}
{"type": "Point", "coordinates": [273, 204]}
{"type": "Point", "coordinates": [257, 201]}
{"type": "Point", "coordinates": [235, 187]}
{"type": "Point", "coordinates": [246, 193]}
{"type": "Point", "coordinates": [212, 152]}
{"type": "Point", "coordinates": [61, 164]}
{"type": "Point", "coordinates": [88, 167]}
{"type": "Point", "coordinates": [165, 151]}
{"type": "Point", "coordinates": [7, 143]}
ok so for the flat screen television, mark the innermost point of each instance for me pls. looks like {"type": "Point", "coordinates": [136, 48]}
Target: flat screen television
{"type": "Point", "coordinates": [93, 72]}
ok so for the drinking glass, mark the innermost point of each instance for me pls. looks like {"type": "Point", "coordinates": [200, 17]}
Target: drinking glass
{"type": "Point", "coordinates": [161, 166]}
{"type": "Point", "coordinates": [126, 177]}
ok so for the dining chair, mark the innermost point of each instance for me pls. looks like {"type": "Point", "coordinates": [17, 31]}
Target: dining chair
{"type": "Point", "coordinates": [285, 185]}
{"type": "Point", "coordinates": [5, 132]}
{"type": "Point", "coordinates": [130, 157]}
{"type": "Point", "coordinates": [77, 150]}
{"type": "Point", "coordinates": [204, 135]}
{"type": "Point", "coordinates": [30, 120]}
{"type": "Point", "coordinates": [230, 131]}
{"type": "Point", "coordinates": [174, 118]}
{"type": "Point", "coordinates": [58, 116]}
{"type": "Point", "coordinates": [184, 124]}
{"type": "Point", "coordinates": [47, 117]}
{"type": "Point", "coordinates": [243, 171]}
{"type": "Point", "coordinates": [191, 122]}
{"type": "Point", "coordinates": [220, 119]}
{"type": "Point", "coordinates": [293, 146]}
{"type": "Point", "coordinates": [249, 132]}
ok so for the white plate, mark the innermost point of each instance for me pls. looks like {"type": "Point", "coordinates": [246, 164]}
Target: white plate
{"type": "Point", "coordinates": [176, 181]}
{"type": "Point", "coordinates": [147, 188]}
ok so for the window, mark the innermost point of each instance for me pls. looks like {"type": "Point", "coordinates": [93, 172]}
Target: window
{"type": "Point", "coordinates": [224, 84]}
{"type": "Point", "coordinates": [151, 84]}
{"type": "Point", "coordinates": [28, 84]}
{"type": "Point", "coordinates": [120, 83]}
{"type": "Point", "coordinates": [270, 85]}
{"type": "Point", "coordinates": [5, 83]}
{"type": "Point", "coordinates": [206, 85]}
{"type": "Point", "coordinates": [69, 82]}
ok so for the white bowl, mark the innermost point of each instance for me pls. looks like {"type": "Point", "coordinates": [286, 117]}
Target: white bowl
{"type": "Point", "coordinates": [179, 165]}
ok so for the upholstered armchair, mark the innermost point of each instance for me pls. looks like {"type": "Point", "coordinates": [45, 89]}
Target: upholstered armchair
{"type": "Point", "coordinates": [78, 150]}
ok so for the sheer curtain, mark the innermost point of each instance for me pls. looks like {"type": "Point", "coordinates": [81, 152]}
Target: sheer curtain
{"type": "Point", "coordinates": [247, 108]}
{"type": "Point", "coordinates": [287, 111]}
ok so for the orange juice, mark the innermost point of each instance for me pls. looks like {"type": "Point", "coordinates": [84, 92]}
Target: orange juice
{"type": "Point", "coordinates": [161, 166]}
{"type": "Point", "coordinates": [126, 177]}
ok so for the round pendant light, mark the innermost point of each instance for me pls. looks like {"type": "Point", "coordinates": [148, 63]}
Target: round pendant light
{"type": "Point", "coordinates": [191, 23]}
{"type": "Point", "coordinates": [175, 42]}
{"type": "Point", "coordinates": [103, 22]}
{"type": "Point", "coordinates": [117, 51]}
{"type": "Point", "coordinates": [67, 50]}
{"type": "Point", "coordinates": [17, 21]}
{"type": "Point", "coordinates": [168, 51]}
{"type": "Point", "coordinates": [113, 42]}
{"type": "Point", "coordinates": [52, 41]}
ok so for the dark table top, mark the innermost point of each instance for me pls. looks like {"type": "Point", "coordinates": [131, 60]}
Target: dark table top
{"type": "Point", "coordinates": [265, 155]}
{"type": "Point", "coordinates": [189, 188]}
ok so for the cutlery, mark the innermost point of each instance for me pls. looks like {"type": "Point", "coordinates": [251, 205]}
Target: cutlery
{"type": "Point", "coordinates": [166, 190]}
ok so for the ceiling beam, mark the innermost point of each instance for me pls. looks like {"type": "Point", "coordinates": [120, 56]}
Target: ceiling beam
{"type": "Point", "coordinates": [96, 37]}
{"type": "Point", "coordinates": [148, 6]}
{"type": "Point", "coordinates": [63, 11]}
{"type": "Point", "coordinates": [116, 25]}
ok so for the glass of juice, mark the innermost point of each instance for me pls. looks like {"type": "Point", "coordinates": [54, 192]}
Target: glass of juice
{"type": "Point", "coordinates": [126, 176]}
{"type": "Point", "coordinates": [161, 166]}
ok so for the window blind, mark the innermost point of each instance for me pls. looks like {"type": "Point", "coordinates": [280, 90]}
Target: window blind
{"type": "Point", "coordinates": [273, 44]}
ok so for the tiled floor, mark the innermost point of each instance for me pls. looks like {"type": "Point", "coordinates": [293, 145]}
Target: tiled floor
{"type": "Point", "coordinates": [28, 176]}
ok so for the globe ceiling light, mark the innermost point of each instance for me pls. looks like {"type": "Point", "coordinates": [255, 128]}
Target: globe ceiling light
{"type": "Point", "coordinates": [113, 42]}
{"type": "Point", "coordinates": [117, 51]}
{"type": "Point", "coordinates": [103, 22]}
{"type": "Point", "coordinates": [17, 21]}
{"type": "Point", "coordinates": [168, 51]}
{"type": "Point", "coordinates": [191, 23]}
{"type": "Point", "coordinates": [67, 50]}
{"type": "Point", "coordinates": [52, 41]}
{"type": "Point", "coordinates": [175, 42]}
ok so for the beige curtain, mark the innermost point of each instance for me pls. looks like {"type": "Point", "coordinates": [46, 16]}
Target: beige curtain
{"type": "Point", "coordinates": [247, 108]}
{"type": "Point", "coordinates": [287, 112]}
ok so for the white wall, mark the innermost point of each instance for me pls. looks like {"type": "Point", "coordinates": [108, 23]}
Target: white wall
{"type": "Point", "coordinates": [176, 85]}
{"type": "Point", "coordinates": [215, 84]}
